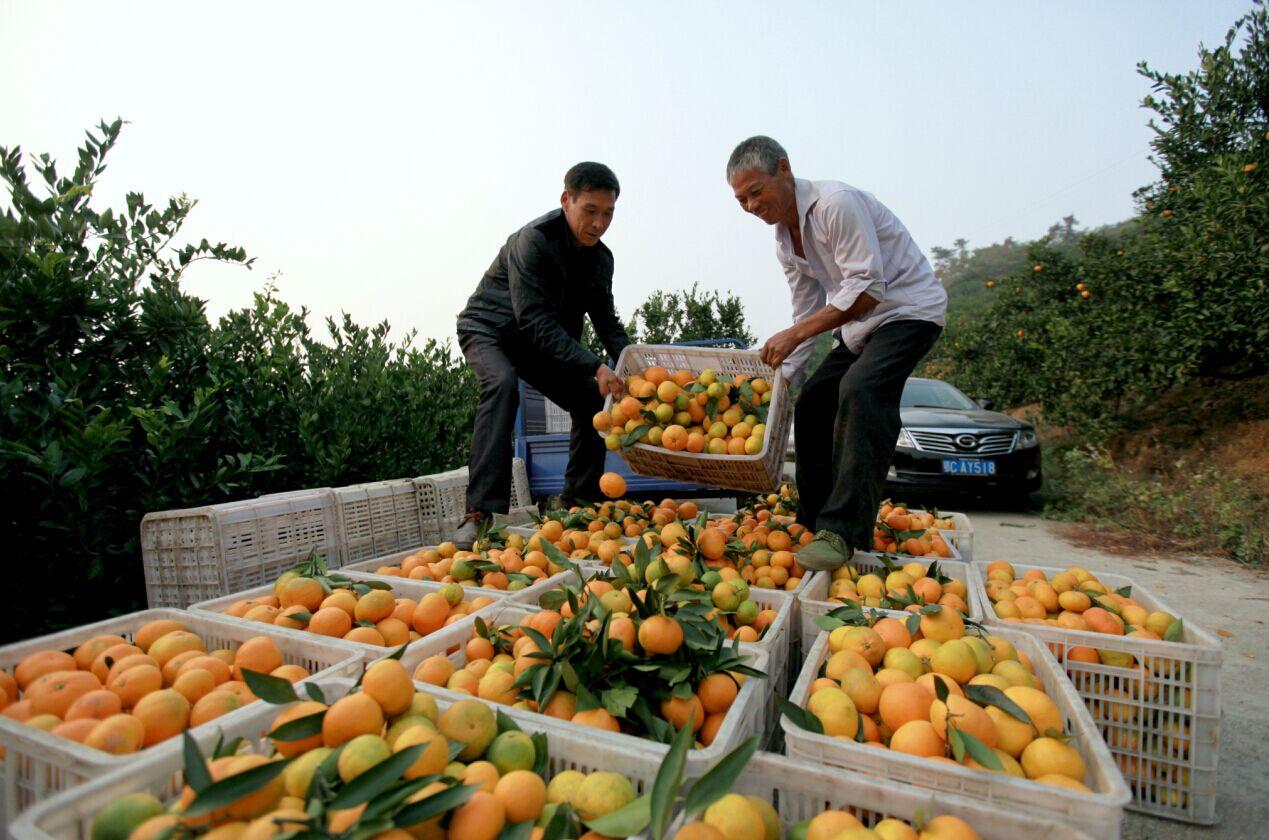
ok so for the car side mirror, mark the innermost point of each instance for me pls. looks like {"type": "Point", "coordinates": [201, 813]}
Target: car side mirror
{"type": "Point", "coordinates": [985, 404]}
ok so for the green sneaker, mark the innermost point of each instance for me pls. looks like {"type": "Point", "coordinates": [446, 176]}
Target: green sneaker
{"type": "Point", "coordinates": [826, 552]}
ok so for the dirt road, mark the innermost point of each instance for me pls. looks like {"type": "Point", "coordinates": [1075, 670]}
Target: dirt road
{"type": "Point", "coordinates": [1218, 595]}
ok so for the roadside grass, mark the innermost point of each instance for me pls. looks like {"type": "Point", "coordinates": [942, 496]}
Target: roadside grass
{"type": "Point", "coordinates": [1191, 507]}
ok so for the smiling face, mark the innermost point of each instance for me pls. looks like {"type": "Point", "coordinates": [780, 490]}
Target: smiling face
{"type": "Point", "coordinates": [772, 198]}
{"type": "Point", "coordinates": [589, 213]}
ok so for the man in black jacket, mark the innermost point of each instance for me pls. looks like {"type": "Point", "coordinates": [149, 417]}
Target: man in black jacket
{"type": "Point", "coordinates": [525, 322]}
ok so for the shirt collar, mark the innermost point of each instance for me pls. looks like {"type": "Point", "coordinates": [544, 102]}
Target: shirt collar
{"type": "Point", "coordinates": [805, 196]}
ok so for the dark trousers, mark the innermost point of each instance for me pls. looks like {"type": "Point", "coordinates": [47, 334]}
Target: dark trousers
{"type": "Point", "coordinates": [849, 407]}
{"type": "Point", "coordinates": [498, 364]}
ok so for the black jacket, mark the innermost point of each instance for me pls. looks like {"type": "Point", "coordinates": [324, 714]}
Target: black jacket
{"type": "Point", "coordinates": [539, 289]}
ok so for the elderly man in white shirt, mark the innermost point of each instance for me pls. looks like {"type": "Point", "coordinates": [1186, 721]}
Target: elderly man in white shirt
{"type": "Point", "coordinates": [853, 269]}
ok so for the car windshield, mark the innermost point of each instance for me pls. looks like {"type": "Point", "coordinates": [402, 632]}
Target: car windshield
{"type": "Point", "coordinates": [931, 393]}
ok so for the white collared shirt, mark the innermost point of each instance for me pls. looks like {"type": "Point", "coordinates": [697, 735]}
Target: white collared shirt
{"type": "Point", "coordinates": [854, 244]}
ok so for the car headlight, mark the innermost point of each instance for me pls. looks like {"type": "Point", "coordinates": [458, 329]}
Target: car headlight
{"type": "Point", "coordinates": [905, 440]}
{"type": "Point", "coordinates": [1028, 439]}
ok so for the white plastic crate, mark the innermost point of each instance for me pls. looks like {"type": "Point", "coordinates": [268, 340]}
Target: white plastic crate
{"type": "Point", "coordinates": [1160, 717]}
{"type": "Point", "coordinates": [813, 595]}
{"type": "Point", "coordinates": [442, 500]}
{"type": "Point", "coordinates": [199, 553]}
{"type": "Point", "coordinates": [962, 536]}
{"type": "Point", "coordinates": [799, 790]}
{"type": "Point", "coordinates": [377, 518]}
{"type": "Point", "coordinates": [745, 717]}
{"type": "Point", "coordinates": [401, 588]}
{"type": "Point", "coordinates": [38, 764]}
{"type": "Point", "coordinates": [757, 473]}
{"type": "Point", "coordinates": [69, 816]}
{"type": "Point", "coordinates": [1097, 813]}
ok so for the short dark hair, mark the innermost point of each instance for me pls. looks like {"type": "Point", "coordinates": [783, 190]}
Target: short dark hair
{"type": "Point", "coordinates": [589, 175]}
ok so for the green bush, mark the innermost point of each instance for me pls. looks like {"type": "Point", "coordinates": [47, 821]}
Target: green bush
{"type": "Point", "coordinates": [1091, 333]}
{"type": "Point", "coordinates": [1194, 508]}
{"type": "Point", "coordinates": [118, 397]}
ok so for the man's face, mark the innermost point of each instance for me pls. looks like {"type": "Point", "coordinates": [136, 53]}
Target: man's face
{"type": "Point", "coordinates": [589, 213]}
{"type": "Point", "coordinates": [769, 197]}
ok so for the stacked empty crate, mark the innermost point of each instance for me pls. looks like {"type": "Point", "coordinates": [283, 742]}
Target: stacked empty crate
{"type": "Point", "coordinates": [442, 500]}
{"type": "Point", "coordinates": [200, 553]}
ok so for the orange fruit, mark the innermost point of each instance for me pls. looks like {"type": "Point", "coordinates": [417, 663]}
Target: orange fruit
{"type": "Point", "coordinates": [291, 673]}
{"type": "Point", "coordinates": [163, 713]}
{"type": "Point", "coordinates": [76, 730]}
{"type": "Point", "coordinates": [598, 718]}
{"type": "Point", "coordinates": [133, 684]}
{"type": "Point", "coordinates": [523, 795]}
{"type": "Point", "coordinates": [44, 662]}
{"type": "Point", "coordinates": [356, 714]}
{"type": "Point", "coordinates": [365, 636]}
{"type": "Point", "coordinates": [53, 694]}
{"type": "Point", "coordinates": [117, 735]}
{"type": "Point", "coordinates": [965, 715]}
{"type": "Point", "coordinates": [904, 702]}
{"type": "Point", "coordinates": [330, 621]}
{"type": "Point", "coordinates": [259, 654]}
{"type": "Point", "coordinates": [170, 644]}
{"type": "Point", "coordinates": [612, 485]}
{"type": "Point", "coordinates": [87, 652]}
{"type": "Point", "coordinates": [302, 592]}
{"type": "Point", "coordinates": [659, 634]}
{"type": "Point", "coordinates": [296, 711]}
{"type": "Point", "coordinates": [480, 818]}
{"type": "Point", "coordinates": [98, 704]}
{"type": "Point", "coordinates": [918, 737]}
{"type": "Point", "coordinates": [435, 670]}
{"type": "Point", "coordinates": [389, 684]}
{"type": "Point", "coordinates": [680, 712]}
{"type": "Point", "coordinates": [717, 692]}
{"type": "Point", "coordinates": [194, 685]}
{"type": "Point", "coordinates": [375, 606]}
{"type": "Point", "coordinates": [213, 704]}
{"type": "Point", "coordinates": [152, 631]}
{"type": "Point", "coordinates": [211, 664]}
{"type": "Point", "coordinates": [429, 616]}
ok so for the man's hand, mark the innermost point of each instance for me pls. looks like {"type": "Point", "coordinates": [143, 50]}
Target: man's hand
{"type": "Point", "coordinates": [780, 346]}
{"type": "Point", "coordinates": [608, 382]}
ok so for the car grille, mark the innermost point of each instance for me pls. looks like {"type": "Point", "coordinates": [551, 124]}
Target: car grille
{"type": "Point", "coordinates": [958, 443]}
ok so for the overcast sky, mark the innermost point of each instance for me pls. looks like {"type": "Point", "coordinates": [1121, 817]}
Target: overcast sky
{"type": "Point", "coordinates": [379, 154]}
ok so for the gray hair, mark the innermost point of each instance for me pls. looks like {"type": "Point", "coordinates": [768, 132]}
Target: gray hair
{"type": "Point", "coordinates": [758, 152]}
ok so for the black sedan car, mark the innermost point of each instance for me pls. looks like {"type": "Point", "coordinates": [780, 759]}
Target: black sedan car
{"type": "Point", "coordinates": [952, 443]}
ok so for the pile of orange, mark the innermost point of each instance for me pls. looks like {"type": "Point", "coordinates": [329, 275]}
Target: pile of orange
{"type": "Point", "coordinates": [373, 617]}
{"type": "Point", "coordinates": [489, 671]}
{"type": "Point", "coordinates": [446, 564]}
{"type": "Point", "coordinates": [896, 520]}
{"type": "Point", "coordinates": [122, 696]}
{"type": "Point", "coordinates": [358, 732]}
{"type": "Point", "coordinates": [685, 411]}
{"type": "Point", "coordinates": [909, 588]}
{"type": "Point", "coordinates": [734, 815]}
{"type": "Point", "coordinates": [882, 678]}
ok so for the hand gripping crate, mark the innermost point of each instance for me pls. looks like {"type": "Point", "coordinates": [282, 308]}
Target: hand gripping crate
{"type": "Point", "coordinates": [745, 717]}
{"type": "Point", "coordinates": [69, 816]}
{"type": "Point", "coordinates": [1160, 715]}
{"type": "Point", "coordinates": [401, 588]}
{"type": "Point", "coordinates": [757, 473]}
{"type": "Point", "coordinates": [442, 500]}
{"type": "Point", "coordinates": [377, 518]}
{"type": "Point", "coordinates": [1097, 813]}
{"type": "Point", "coordinates": [814, 600]}
{"type": "Point", "coordinates": [38, 764]}
{"type": "Point", "coordinates": [799, 790]}
{"type": "Point", "coordinates": [199, 553]}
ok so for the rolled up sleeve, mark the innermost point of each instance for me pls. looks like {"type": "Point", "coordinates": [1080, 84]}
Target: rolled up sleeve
{"type": "Point", "coordinates": [808, 298]}
{"type": "Point", "coordinates": [855, 248]}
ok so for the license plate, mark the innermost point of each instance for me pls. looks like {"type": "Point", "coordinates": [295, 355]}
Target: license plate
{"type": "Point", "coordinates": [968, 466]}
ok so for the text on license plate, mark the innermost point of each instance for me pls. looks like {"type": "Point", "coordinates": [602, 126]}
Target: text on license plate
{"type": "Point", "coordinates": [968, 466]}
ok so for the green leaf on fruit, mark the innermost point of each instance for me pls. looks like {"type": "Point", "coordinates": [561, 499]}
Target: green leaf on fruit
{"type": "Point", "coordinates": [629, 821]}
{"type": "Point", "coordinates": [269, 688]}
{"type": "Point", "coordinates": [989, 695]}
{"type": "Point", "coordinates": [800, 717]}
{"type": "Point", "coordinates": [229, 790]}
